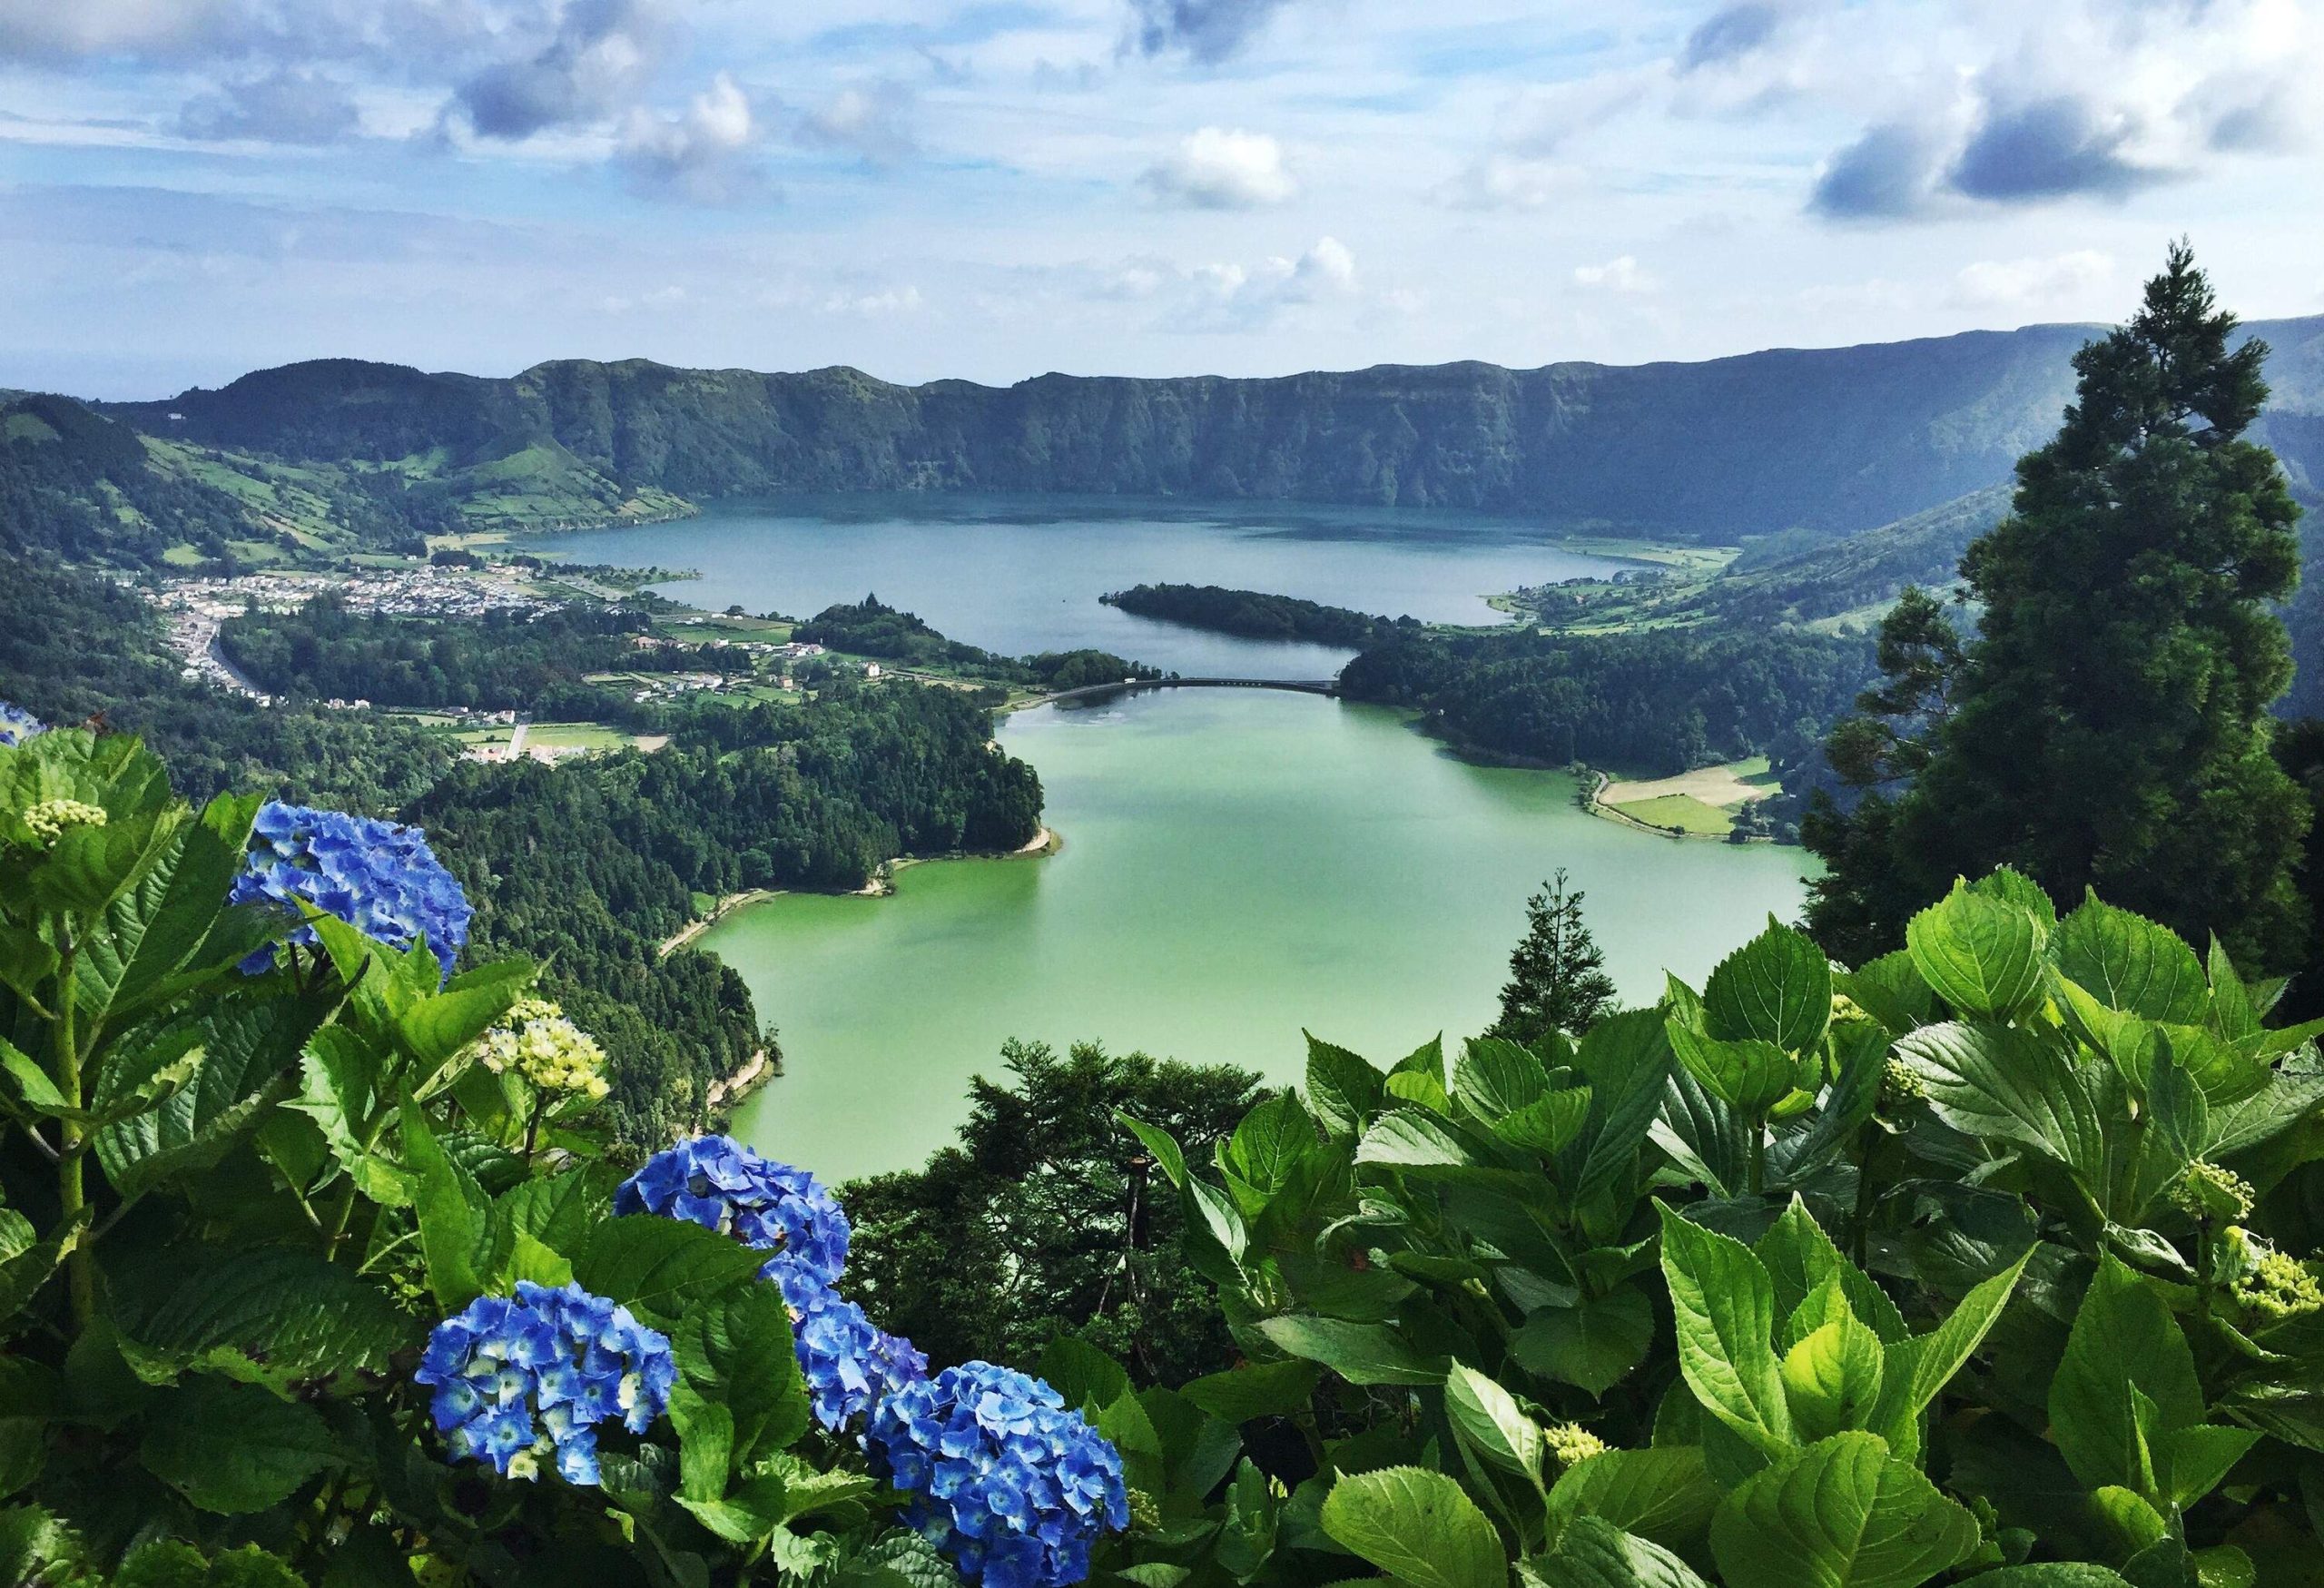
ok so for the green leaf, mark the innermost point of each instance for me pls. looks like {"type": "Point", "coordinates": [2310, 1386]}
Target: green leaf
{"type": "Point", "coordinates": [1268, 1145]}
{"type": "Point", "coordinates": [456, 1227]}
{"type": "Point", "coordinates": [1267, 1389]}
{"type": "Point", "coordinates": [2052, 1574]}
{"type": "Point", "coordinates": [1776, 988]}
{"type": "Point", "coordinates": [1161, 1143]}
{"type": "Point", "coordinates": [737, 1350]}
{"type": "Point", "coordinates": [1422, 1087]}
{"type": "Point", "coordinates": [1724, 1305]}
{"type": "Point", "coordinates": [1662, 1493]}
{"type": "Point", "coordinates": [1841, 1514]}
{"type": "Point", "coordinates": [2199, 1458]}
{"type": "Point", "coordinates": [1413, 1138]}
{"type": "Point", "coordinates": [248, 1047]}
{"type": "Point", "coordinates": [1592, 1553]}
{"type": "Point", "coordinates": [1801, 1258]}
{"type": "Point", "coordinates": [1749, 1076]}
{"type": "Point", "coordinates": [1890, 989]}
{"type": "Point", "coordinates": [1489, 1418]}
{"type": "Point", "coordinates": [1215, 1236]}
{"type": "Point", "coordinates": [2012, 886]}
{"type": "Point", "coordinates": [1492, 1078]}
{"type": "Point", "coordinates": [2131, 964]}
{"type": "Point", "coordinates": [752, 1513]}
{"type": "Point", "coordinates": [1626, 1059]}
{"type": "Point", "coordinates": [1991, 1081]}
{"type": "Point", "coordinates": [1085, 1376]}
{"type": "Point", "coordinates": [1548, 1125]}
{"type": "Point", "coordinates": [1592, 1344]}
{"type": "Point", "coordinates": [1922, 1366]}
{"type": "Point", "coordinates": [1831, 1377]}
{"type": "Point", "coordinates": [1343, 1088]}
{"type": "Point", "coordinates": [1981, 954]}
{"type": "Point", "coordinates": [1359, 1353]}
{"type": "Point", "coordinates": [662, 1265]}
{"type": "Point", "coordinates": [705, 1442]}
{"type": "Point", "coordinates": [2122, 1333]}
{"type": "Point", "coordinates": [274, 1315]}
{"type": "Point", "coordinates": [156, 926]}
{"type": "Point", "coordinates": [234, 1448]}
{"type": "Point", "coordinates": [1418, 1526]}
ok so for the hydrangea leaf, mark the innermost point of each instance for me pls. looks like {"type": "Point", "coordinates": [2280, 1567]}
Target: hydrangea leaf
{"type": "Point", "coordinates": [1981, 954]}
{"type": "Point", "coordinates": [1724, 1304]}
{"type": "Point", "coordinates": [1494, 1077]}
{"type": "Point", "coordinates": [1840, 1513]}
{"type": "Point", "coordinates": [457, 1230]}
{"type": "Point", "coordinates": [662, 1265]}
{"type": "Point", "coordinates": [1593, 1553]}
{"type": "Point", "coordinates": [737, 1350]}
{"type": "Point", "coordinates": [1493, 1425]}
{"type": "Point", "coordinates": [1662, 1493]}
{"type": "Point", "coordinates": [1343, 1088]}
{"type": "Point", "coordinates": [2131, 964]}
{"type": "Point", "coordinates": [1748, 1075]}
{"type": "Point", "coordinates": [234, 1448]}
{"type": "Point", "coordinates": [1776, 988]}
{"type": "Point", "coordinates": [1267, 1389]}
{"type": "Point", "coordinates": [2124, 1333]}
{"type": "Point", "coordinates": [1626, 1059]}
{"type": "Point", "coordinates": [292, 1318]}
{"type": "Point", "coordinates": [1418, 1526]}
{"type": "Point", "coordinates": [1360, 1353]}
{"type": "Point", "coordinates": [1991, 1081]}
{"type": "Point", "coordinates": [1592, 1344]}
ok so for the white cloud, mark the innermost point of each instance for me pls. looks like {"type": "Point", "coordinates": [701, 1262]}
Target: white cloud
{"type": "Point", "coordinates": [905, 299]}
{"type": "Point", "coordinates": [1620, 274]}
{"type": "Point", "coordinates": [872, 120]}
{"type": "Point", "coordinates": [1232, 296]}
{"type": "Point", "coordinates": [1505, 182]}
{"type": "Point", "coordinates": [2021, 283]}
{"type": "Point", "coordinates": [701, 154]}
{"type": "Point", "coordinates": [1215, 169]}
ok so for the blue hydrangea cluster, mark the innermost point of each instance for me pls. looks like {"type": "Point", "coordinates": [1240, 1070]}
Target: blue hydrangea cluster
{"type": "Point", "coordinates": [524, 1383]}
{"type": "Point", "coordinates": [17, 724]}
{"type": "Point", "coordinates": [717, 1182]}
{"type": "Point", "coordinates": [1010, 1486]}
{"type": "Point", "coordinates": [380, 878]}
{"type": "Point", "coordinates": [848, 1361]}
{"type": "Point", "coordinates": [720, 1184]}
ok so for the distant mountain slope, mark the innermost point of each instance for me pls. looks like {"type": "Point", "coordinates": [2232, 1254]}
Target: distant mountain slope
{"type": "Point", "coordinates": [1828, 440]}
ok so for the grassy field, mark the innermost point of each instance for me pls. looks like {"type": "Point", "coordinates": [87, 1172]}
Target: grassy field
{"type": "Point", "coordinates": [576, 736]}
{"type": "Point", "coordinates": [1684, 812]}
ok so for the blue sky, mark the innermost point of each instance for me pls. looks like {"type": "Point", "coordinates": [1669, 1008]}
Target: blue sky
{"type": "Point", "coordinates": [999, 188]}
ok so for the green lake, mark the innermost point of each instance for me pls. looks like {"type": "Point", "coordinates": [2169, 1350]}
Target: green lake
{"type": "Point", "coordinates": [1238, 864]}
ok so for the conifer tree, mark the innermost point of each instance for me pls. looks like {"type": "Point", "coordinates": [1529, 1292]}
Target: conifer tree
{"type": "Point", "coordinates": [1555, 981]}
{"type": "Point", "coordinates": [2108, 726]}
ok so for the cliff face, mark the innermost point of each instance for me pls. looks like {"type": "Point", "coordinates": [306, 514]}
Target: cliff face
{"type": "Point", "coordinates": [1827, 440]}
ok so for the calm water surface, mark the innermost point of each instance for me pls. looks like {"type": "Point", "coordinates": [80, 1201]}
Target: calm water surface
{"type": "Point", "coordinates": [1021, 575]}
{"type": "Point", "coordinates": [1238, 864]}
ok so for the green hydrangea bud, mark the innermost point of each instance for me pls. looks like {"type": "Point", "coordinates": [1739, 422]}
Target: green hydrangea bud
{"type": "Point", "coordinates": [52, 819]}
{"type": "Point", "coordinates": [1570, 1441]}
{"type": "Point", "coordinates": [2209, 1191]}
{"type": "Point", "coordinates": [1145, 1511]}
{"type": "Point", "coordinates": [536, 1041]}
{"type": "Point", "coordinates": [1900, 1084]}
{"type": "Point", "coordinates": [2279, 1286]}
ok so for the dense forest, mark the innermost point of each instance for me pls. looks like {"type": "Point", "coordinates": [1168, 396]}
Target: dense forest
{"type": "Point", "coordinates": [1255, 615]}
{"type": "Point", "coordinates": [870, 627]}
{"type": "Point", "coordinates": [77, 485]}
{"type": "Point", "coordinates": [509, 659]}
{"type": "Point", "coordinates": [1652, 703]}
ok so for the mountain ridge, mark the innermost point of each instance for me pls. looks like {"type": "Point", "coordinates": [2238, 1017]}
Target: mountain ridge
{"type": "Point", "coordinates": [1824, 441]}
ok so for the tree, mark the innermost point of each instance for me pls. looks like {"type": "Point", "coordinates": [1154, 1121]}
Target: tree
{"type": "Point", "coordinates": [1050, 1218]}
{"type": "Point", "coordinates": [2107, 726]}
{"type": "Point", "coordinates": [1555, 981]}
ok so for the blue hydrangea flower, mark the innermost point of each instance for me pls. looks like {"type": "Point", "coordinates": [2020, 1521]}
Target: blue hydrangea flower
{"type": "Point", "coordinates": [523, 1381]}
{"type": "Point", "coordinates": [718, 1183]}
{"type": "Point", "coordinates": [847, 1360]}
{"type": "Point", "coordinates": [378, 877]}
{"type": "Point", "coordinates": [17, 724]}
{"type": "Point", "coordinates": [1013, 1487]}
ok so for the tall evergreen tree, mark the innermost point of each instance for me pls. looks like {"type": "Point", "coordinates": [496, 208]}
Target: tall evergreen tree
{"type": "Point", "coordinates": [1555, 981]}
{"type": "Point", "coordinates": [2107, 726]}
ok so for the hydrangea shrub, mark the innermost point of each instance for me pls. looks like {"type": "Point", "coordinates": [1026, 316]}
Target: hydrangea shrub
{"type": "Point", "coordinates": [720, 1184]}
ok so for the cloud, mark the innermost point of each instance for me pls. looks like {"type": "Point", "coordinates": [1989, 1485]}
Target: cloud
{"type": "Point", "coordinates": [1505, 182]}
{"type": "Point", "coordinates": [1885, 173]}
{"type": "Point", "coordinates": [701, 155]}
{"type": "Point", "coordinates": [71, 29]}
{"type": "Point", "coordinates": [292, 106]}
{"type": "Point", "coordinates": [1215, 169]}
{"type": "Point", "coordinates": [871, 120]}
{"type": "Point", "coordinates": [2048, 148]}
{"type": "Point", "coordinates": [2018, 283]}
{"type": "Point", "coordinates": [887, 301]}
{"type": "Point", "coordinates": [600, 59]}
{"type": "Point", "coordinates": [1235, 296]}
{"type": "Point", "coordinates": [1210, 30]}
{"type": "Point", "coordinates": [1616, 275]}
{"type": "Point", "coordinates": [1730, 35]}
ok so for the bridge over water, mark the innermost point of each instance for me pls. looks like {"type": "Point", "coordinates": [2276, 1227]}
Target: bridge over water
{"type": "Point", "coordinates": [1296, 685]}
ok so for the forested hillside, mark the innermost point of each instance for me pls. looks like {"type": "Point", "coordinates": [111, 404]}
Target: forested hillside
{"type": "Point", "coordinates": [1829, 440]}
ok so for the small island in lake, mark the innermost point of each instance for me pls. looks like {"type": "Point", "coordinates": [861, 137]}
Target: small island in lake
{"type": "Point", "coordinates": [1256, 615]}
